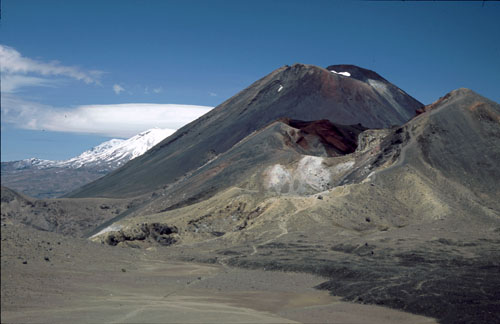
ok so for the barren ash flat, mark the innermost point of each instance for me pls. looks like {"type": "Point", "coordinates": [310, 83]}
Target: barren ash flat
{"type": "Point", "coordinates": [50, 278]}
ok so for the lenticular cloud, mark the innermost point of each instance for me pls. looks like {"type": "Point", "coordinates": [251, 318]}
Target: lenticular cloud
{"type": "Point", "coordinates": [120, 120]}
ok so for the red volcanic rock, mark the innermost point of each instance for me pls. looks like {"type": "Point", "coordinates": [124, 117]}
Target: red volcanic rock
{"type": "Point", "coordinates": [342, 139]}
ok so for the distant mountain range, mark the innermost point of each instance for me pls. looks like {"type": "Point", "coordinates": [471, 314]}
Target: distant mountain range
{"type": "Point", "coordinates": [47, 179]}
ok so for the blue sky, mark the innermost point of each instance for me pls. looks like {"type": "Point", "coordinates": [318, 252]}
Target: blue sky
{"type": "Point", "coordinates": [72, 59]}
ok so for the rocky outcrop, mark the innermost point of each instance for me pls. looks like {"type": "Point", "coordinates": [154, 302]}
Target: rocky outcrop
{"type": "Point", "coordinates": [152, 233]}
{"type": "Point", "coordinates": [371, 139]}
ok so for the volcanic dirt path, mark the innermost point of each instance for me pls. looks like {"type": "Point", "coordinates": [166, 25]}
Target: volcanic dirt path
{"type": "Point", "coordinates": [284, 230]}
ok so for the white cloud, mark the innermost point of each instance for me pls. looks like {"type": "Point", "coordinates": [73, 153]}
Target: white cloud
{"type": "Point", "coordinates": [13, 82]}
{"type": "Point", "coordinates": [118, 88]}
{"type": "Point", "coordinates": [212, 94]}
{"type": "Point", "coordinates": [120, 120]}
{"type": "Point", "coordinates": [13, 63]}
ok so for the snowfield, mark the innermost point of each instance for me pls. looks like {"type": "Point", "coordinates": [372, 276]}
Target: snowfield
{"type": "Point", "coordinates": [347, 74]}
{"type": "Point", "coordinates": [107, 155]}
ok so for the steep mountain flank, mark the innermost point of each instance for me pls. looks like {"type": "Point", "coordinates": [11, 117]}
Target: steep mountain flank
{"type": "Point", "coordinates": [385, 91]}
{"type": "Point", "coordinates": [456, 141]}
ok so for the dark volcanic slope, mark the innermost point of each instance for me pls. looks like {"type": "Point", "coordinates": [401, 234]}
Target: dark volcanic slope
{"type": "Point", "coordinates": [386, 91]}
{"type": "Point", "coordinates": [457, 139]}
{"type": "Point", "coordinates": [303, 92]}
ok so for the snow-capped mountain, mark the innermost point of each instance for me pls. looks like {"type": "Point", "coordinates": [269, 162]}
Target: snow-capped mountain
{"type": "Point", "coordinates": [49, 179]}
{"type": "Point", "coordinates": [116, 152]}
{"type": "Point", "coordinates": [105, 156]}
